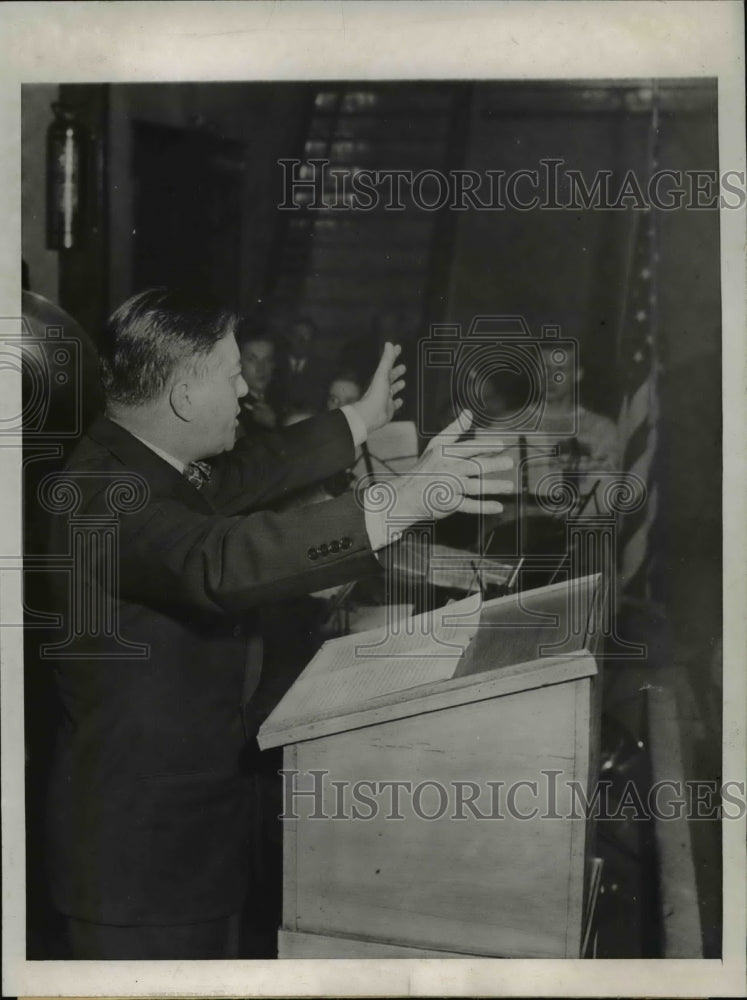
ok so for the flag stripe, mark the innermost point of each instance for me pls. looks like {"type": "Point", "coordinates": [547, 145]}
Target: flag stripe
{"type": "Point", "coordinates": [639, 407]}
{"type": "Point", "coordinates": [636, 445]}
{"type": "Point", "coordinates": [638, 416]}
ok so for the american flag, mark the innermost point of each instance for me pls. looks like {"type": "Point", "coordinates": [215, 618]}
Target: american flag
{"type": "Point", "coordinates": [638, 420]}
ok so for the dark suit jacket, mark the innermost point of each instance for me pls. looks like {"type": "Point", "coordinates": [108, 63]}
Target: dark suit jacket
{"type": "Point", "coordinates": [148, 804]}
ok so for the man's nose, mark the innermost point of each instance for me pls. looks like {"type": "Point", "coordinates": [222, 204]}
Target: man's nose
{"type": "Point", "coordinates": [241, 387]}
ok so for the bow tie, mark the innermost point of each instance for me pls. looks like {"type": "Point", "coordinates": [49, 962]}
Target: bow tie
{"type": "Point", "coordinates": [197, 473]}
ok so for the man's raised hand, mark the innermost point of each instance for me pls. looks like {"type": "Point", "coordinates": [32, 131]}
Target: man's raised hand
{"type": "Point", "coordinates": [379, 403]}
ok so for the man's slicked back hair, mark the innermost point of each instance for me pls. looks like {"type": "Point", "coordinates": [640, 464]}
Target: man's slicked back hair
{"type": "Point", "coordinates": [153, 334]}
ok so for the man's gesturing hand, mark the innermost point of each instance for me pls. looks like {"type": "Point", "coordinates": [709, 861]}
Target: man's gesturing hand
{"type": "Point", "coordinates": [379, 404]}
{"type": "Point", "coordinates": [448, 477]}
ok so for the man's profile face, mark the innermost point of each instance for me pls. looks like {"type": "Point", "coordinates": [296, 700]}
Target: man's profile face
{"type": "Point", "coordinates": [257, 364]}
{"type": "Point", "coordinates": [215, 394]}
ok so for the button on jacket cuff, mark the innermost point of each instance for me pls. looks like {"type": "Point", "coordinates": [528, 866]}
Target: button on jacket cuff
{"type": "Point", "coordinates": [331, 548]}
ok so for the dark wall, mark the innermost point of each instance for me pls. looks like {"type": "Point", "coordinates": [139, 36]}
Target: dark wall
{"type": "Point", "coordinates": [265, 120]}
{"type": "Point", "coordinates": [569, 266]}
{"type": "Point", "coordinates": [543, 263]}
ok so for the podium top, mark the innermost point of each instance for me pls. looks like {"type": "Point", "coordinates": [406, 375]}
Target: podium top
{"type": "Point", "coordinates": [464, 652]}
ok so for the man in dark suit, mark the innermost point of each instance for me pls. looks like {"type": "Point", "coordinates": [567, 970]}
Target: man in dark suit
{"type": "Point", "coordinates": [301, 378]}
{"type": "Point", "coordinates": [149, 810]}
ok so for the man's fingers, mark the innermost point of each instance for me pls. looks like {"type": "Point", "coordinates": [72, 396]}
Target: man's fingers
{"type": "Point", "coordinates": [388, 356]}
{"type": "Point", "coordinates": [468, 506]}
{"type": "Point", "coordinates": [397, 372]}
{"type": "Point", "coordinates": [495, 463]}
{"type": "Point", "coordinates": [483, 465]}
{"type": "Point", "coordinates": [473, 486]}
{"type": "Point", "coordinates": [475, 467]}
{"type": "Point", "coordinates": [397, 387]}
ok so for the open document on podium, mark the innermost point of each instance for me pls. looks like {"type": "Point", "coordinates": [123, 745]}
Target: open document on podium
{"type": "Point", "coordinates": [468, 637]}
{"type": "Point", "coordinates": [355, 669]}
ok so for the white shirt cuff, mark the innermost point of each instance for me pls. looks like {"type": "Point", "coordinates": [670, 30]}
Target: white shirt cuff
{"type": "Point", "coordinates": [375, 520]}
{"type": "Point", "coordinates": [377, 530]}
{"type": "Point", "coordinates": [356, 424]}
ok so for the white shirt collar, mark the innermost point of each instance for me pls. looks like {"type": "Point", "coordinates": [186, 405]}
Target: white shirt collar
{"type": "Point", "coordinates": [175, 462]}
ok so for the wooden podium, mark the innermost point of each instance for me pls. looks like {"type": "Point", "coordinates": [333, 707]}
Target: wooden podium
{"type": "Point", "coordinates": [438, 777]}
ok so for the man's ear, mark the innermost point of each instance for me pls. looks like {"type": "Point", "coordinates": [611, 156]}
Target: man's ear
{"type": "Point", "coordinates": [181, 402]}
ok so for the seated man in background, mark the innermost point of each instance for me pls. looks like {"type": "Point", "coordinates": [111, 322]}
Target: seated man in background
{"type": "Point", "coordinates": [592, 447]}
{"type": "Point", "coordinates": [301, 375]}
{"type": "Point", "coordinates": [149, 806]}
{"type": "Point", "coordinates": [558, 436]}
{"type": "Point", "coordinates": [257, 350]}
{"type": "Point", "coordinates": [560, 441]}
{"type": "Point", "coordinates": [550, 437]}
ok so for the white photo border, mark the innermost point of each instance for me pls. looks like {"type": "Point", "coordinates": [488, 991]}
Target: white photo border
{"type": "Point", "coordinates": [128, 42]}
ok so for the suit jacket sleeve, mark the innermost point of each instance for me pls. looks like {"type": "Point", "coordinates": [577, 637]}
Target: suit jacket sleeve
{"type": "Point", "coordinates": [171, 555]}
{"type": "Point", "coordinates": [265, 467]}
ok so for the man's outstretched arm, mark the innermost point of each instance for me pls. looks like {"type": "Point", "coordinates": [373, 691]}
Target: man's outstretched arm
{"type": "Point", "coordinates": [265, 468]}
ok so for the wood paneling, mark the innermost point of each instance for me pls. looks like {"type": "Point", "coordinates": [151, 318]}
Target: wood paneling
{"type": "Point", "coordinates": [484, 849]}
{"type": "Point", "coordinates": [501, 886]}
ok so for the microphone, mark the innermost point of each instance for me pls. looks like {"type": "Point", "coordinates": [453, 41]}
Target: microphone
{"type": "Point", "coordinates": [573, 448]}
